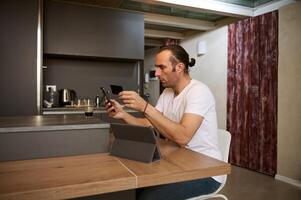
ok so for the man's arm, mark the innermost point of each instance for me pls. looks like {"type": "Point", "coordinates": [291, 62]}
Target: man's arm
{"type": "Point", "coordinates": [181, 133]}
{"type": "Point", "coordinates": [130, 119]}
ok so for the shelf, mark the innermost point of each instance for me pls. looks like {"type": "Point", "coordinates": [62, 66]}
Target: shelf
{"type": "Point", "coordinates": [91, 58]}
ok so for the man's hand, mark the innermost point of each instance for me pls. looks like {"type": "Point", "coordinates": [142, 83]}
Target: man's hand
{"type": "Point", "coordinates": [132, 100]}
{"type": "Point", "coordinates": [114, 109]}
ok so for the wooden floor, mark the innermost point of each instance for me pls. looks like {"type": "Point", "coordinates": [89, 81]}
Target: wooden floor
{"type": "Point", "coordinates": [249, 185]}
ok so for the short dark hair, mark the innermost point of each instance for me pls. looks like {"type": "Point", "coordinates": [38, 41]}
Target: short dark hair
{"type": "Point", "coordinates": [179, 55]}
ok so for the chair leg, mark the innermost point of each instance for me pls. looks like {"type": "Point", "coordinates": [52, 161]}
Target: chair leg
{"type": "Point", "coordinates": [213, 196]}
{"type": "Point", "coordinates": [221, 196]}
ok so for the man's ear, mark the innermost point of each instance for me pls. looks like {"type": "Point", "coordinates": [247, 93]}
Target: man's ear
{"type": "Point", "coordinates": [180, 67]}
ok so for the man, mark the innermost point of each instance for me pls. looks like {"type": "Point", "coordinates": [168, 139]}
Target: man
{"type": "Point", "coordinates": [185, 113]}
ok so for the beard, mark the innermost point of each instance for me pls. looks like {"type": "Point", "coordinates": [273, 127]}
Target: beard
{"type": "Point", "coordinates": [171, 80]}
{"type": "Point", "coordinates": [165, 84]}
{"type": "Point", "coordinates": [168, 84]}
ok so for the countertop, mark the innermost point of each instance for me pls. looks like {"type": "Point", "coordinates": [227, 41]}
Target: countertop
{"type": "Point", "coordinates": [75, 110]}
{"type": "Point", "coordinates": [51, 122]}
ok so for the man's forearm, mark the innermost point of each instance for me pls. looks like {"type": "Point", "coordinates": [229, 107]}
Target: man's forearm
{"type": "Point", "coordinates": [170, 129]}
{"type": "Point", "coordinates": [130, 119]}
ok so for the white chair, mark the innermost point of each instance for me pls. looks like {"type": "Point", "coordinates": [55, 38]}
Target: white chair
{"type": "Point", "coordinates": [224, 138]}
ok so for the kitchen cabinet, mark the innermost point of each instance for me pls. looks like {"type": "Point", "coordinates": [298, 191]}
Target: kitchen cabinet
{"type": "Point", "coordinates": [74, 30]}
{"type": "Point", "coordinates": [18, 58]}
{"type": "Point", "coordinates": [52, 136]}
{"type": "Point", "coordinates": [71, 33]}
{"type": "Point", "coordinates": [87, 47]}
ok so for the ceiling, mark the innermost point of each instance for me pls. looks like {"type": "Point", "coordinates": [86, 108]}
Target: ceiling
{"type": "Point", "coordinates": [178, 19]}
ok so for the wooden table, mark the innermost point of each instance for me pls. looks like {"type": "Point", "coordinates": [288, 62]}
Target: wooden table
{"type": "Point", "coordinates": [76, 176]}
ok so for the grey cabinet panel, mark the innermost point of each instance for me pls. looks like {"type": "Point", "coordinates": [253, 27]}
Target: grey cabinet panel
{"type": "Point", "coordinates": [44, 144]}
{"type": "Point", "coordinates": [91, 31]}
{"type": "Point", "coordinates": [18, 47]}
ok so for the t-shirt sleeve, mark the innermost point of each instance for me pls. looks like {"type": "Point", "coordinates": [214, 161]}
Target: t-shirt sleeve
{"type": "Point", "coordinates": [199, 101]}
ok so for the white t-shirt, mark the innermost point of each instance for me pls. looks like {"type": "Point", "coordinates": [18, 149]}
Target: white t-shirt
{"type": "Point", "coordinates": [195, 98]}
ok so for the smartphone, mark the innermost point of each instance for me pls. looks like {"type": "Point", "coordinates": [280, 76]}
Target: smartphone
{"type": "Point", "coordinates": [105, 94]}
{"type": "Point", "coordinates": [116, 89]}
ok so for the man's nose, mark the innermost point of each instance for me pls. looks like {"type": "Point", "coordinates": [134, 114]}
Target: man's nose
{"type": "Point", "coordinates": [158, 73]}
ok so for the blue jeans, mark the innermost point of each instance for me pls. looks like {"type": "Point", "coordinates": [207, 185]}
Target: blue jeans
{"type": "Point", "coordinates": [178, 191]}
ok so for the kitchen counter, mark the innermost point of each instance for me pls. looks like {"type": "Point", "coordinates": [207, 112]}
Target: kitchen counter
{"type": "Point", "coordinates": [29, 137]}
{"type": "Point", "coordinates": [75, 110]}
{"type": "Point", "coordinates": [51, 122]}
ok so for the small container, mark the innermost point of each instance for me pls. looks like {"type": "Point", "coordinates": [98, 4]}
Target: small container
{"type": "Point", "coordinates": [89, 111]}
{"type": "Point", "coordinates": [89, 107]}
{"type": "Point", "coordinates": [97, 101]}
{"type": "Point", "coordinates": [79, 102]}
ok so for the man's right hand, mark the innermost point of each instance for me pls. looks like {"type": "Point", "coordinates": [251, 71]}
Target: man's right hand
{"type": "Point", "coordinates": [114, 109]}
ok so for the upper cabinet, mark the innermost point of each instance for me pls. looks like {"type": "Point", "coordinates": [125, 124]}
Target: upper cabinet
{"type": "Point", "coordinates": [18, 58]}
{"type": "Point", "coordinates": [74, 30]}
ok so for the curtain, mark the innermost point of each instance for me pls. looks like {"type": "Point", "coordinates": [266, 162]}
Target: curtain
{"type": "Point", "coordinates": [252, 92]}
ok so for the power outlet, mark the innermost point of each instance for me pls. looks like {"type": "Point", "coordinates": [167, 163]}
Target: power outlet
{"type": "Point", "coordinates": [53, 87]}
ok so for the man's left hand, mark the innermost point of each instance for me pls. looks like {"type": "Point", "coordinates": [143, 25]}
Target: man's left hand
{"type": "Point", "coordinates": [132, 100]}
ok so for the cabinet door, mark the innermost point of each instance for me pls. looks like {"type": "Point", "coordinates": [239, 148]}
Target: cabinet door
{"type": "Point", "coordinates": [90, 31]}
{"type": "Point", "coordinates": [18, 58]}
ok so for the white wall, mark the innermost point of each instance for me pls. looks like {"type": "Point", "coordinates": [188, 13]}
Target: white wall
{"type": "Point", "coordinates": [153, 87]}
{"type": "Point", "coordinates": [211, 68]}
{"type": "Point", "coordinates": [289, 92]}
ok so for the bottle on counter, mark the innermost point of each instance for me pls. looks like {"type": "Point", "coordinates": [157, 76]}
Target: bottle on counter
{"type": "Point", "coordinates": [97, 101]}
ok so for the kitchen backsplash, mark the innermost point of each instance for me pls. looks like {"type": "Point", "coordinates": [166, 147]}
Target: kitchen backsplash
{"type": "Point", "coordinates": [86, 76]}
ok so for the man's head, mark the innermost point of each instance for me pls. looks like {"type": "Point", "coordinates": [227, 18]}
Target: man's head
{"type": "Point", "coordinates": [172, 63]}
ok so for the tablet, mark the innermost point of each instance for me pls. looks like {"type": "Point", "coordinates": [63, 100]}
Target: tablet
{"type": "Point", "coordinates": [135, 142]}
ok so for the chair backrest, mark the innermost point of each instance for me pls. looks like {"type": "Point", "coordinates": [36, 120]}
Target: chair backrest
{"type": "Point", "coordinates": [224, 139]}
